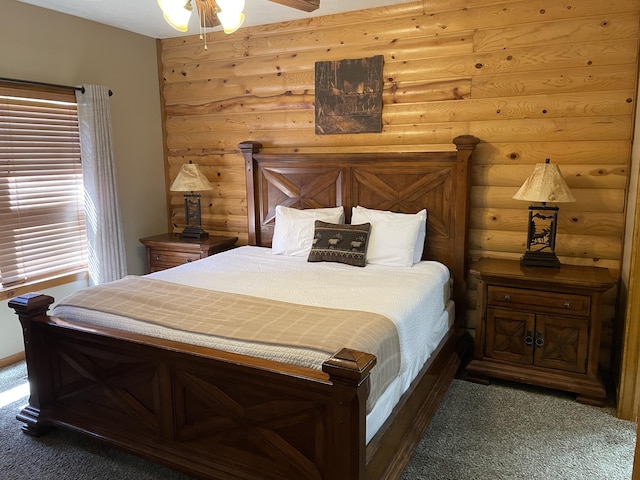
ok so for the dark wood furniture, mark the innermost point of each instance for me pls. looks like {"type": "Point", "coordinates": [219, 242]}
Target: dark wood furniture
{"type": "Point", "coordinates": [541, 326]}
{"type": "Point", "coordinates": [170, 249]}
{"type": "Point", "coordinates": [218, 415]}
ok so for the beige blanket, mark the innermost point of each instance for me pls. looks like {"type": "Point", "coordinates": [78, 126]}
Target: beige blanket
{"type": "Point", "coordinates": [251, 319]}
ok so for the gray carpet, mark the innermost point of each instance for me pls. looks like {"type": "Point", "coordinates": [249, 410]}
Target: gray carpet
{"type": "Point", "coordinates": [508, 431]}
{"type": "Point", "coordinates": [495, 432]}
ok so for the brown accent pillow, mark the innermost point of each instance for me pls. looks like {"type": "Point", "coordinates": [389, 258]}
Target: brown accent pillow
{"type": "Point", "coordinates": [342, 243]}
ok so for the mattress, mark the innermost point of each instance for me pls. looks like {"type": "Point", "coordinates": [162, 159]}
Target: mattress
{"type": "Point", "coordinates": [415, 299]}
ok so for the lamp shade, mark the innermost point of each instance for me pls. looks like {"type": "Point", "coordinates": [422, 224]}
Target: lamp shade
{"type": "Point", "coordinates": [230, 22]}
{"type": "Point", "coordinates": [230, 14]}
{"type": "Point", "coordinates": [190, 179]}
{"type": "Point", "coordinates": [545, 184]}
{"type": "Point", "coordinates": [176, 13]}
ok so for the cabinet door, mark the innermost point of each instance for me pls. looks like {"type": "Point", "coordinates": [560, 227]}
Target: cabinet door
{"type": "Point", "coordinates": [509, 335]}
{"type": "Point", "coordinates": [561, 343]}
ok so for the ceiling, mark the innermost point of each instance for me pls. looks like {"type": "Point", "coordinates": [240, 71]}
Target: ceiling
{"type": "Point", "coordinates": [145, 17]}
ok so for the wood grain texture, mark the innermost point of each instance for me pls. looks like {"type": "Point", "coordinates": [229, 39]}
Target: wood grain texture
{"type": "Point", "coordinates": [220, 415]}
{"type": "Point", "coordinates": [531, 79]}
{"type": "Point", "coordinates": [402, 182]}
{"type": "Point", "coordinates": [541, 326]}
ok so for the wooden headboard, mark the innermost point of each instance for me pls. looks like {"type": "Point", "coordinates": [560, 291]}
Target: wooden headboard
{"type": "Point", "coordinates": [399, 182]}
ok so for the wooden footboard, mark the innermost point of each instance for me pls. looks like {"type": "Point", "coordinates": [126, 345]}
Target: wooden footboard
{"type": "Point", "coordinates": [217, 415]}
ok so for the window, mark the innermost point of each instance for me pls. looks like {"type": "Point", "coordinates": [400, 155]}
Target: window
{"type": "Point", "coordinates": [42, 219]}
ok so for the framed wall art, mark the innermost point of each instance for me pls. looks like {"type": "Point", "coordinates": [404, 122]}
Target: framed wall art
{"type": "Point", "coordinates": [349, 96]}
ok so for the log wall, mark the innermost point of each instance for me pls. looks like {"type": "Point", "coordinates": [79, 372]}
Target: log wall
{"type": "Point", "coordinates": [532, 79]}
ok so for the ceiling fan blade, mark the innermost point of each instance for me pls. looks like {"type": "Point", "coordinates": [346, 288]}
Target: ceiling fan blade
{"type": "Point", "coordinates": [304, 5]}
{"type": "Point", "coordinates": [207, 11]}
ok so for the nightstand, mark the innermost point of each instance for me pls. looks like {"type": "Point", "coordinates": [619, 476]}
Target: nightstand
{"type": "Point", "coordinates": [540, 326]}
{"type": "Point", "coordinates": [170, 250]}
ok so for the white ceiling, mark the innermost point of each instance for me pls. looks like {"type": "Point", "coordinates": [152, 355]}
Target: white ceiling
{"type": "Point", "coordinates": [145, 17]}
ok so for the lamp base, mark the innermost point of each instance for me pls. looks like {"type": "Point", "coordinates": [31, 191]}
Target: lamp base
{"type": "Point", "coordinates": [193, 232]}
{"type": "Point", "coordinates": [540, 259]}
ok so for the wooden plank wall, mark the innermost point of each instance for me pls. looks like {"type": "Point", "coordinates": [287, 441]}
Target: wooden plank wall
{"type": "Point", "coordinates": [532, 79]}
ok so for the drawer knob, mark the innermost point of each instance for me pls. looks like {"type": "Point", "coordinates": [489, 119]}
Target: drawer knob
{"type": "Point", "coordinates": [507, 298]}
{"type": "Point", "coordinates": [187, 260]}
{"type": "Point", "coordinates": [539, 339]}
{"type": "Point", "coordinates": [158, 257]}
{"type": "Point", "coordinates": [567, 305]}
{"type": "Point", "coordinates": [528, 340]}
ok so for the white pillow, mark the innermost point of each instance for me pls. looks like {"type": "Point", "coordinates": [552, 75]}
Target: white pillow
{"type": "Point", "coordinates": [422, 235]}
{"type": "Point", "coordinates": [293, 232]}
{"type": "Point", "coordinates": [396, 239]}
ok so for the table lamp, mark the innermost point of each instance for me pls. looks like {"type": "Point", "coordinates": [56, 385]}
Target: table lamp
{"type": "Point", "coordinates": [545, 184]}
{"type": "Point", "coordinates": [191, 179]}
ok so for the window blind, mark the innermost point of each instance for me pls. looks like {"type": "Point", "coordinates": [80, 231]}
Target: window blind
{"type": "Point", "coordinates": [42, 216]}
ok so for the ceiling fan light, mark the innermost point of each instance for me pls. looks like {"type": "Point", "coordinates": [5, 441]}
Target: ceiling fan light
{"type": "Point", "coordinates": [176, 13]}
{"type": "Point", "coordinates": [230, 21]}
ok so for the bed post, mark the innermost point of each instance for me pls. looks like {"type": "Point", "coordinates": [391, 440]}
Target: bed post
{"type": "Point", "coordinates": [465, 144]}
{"type": "Point", "coordinates": [248, 148]}
{"type": "Point", "coordinates": [29, 307]}
{"type": "Point", "coordinates": [349, 371]}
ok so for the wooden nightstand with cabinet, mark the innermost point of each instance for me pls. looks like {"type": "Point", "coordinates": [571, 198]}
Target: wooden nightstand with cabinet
{"type": "Point", "coordinates": [540, 326]}
{"type": "Point", "coordinates": [170, 250]}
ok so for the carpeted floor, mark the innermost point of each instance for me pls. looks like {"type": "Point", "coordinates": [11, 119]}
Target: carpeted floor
{"type": "Point", "coordinates": [495, 432]}
{"type": "Point", "coordinates": [507, 431]}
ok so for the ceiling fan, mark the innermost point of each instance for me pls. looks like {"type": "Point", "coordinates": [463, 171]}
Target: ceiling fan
{"type": "Point", "coordinates": [228, 13]}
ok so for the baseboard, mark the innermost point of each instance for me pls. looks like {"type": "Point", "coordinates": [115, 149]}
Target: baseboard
{"type": "Point", "coordinates": [11, 359]}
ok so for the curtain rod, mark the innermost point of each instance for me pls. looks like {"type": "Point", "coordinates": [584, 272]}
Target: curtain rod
{"type": "Point", "coordinates": [43, 84]}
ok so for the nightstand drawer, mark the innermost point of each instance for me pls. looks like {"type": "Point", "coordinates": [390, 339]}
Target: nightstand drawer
{"type": "Point", "coordinates": [539, 301]}
{"type": "Point", "coordinates": [170, 249]}
{"type": "Point", "coordinates": [160, 259]}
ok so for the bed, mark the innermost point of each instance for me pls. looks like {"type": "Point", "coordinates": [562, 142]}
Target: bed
{"type": "Point", "coordinates": [226, 414]}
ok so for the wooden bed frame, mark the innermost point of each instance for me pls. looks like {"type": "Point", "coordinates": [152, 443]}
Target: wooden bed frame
{"type": "Point", "coordinates": [218, 415]}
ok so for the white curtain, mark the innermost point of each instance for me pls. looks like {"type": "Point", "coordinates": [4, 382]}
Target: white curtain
{"type": "Point", "coordinates": [107, 259]}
